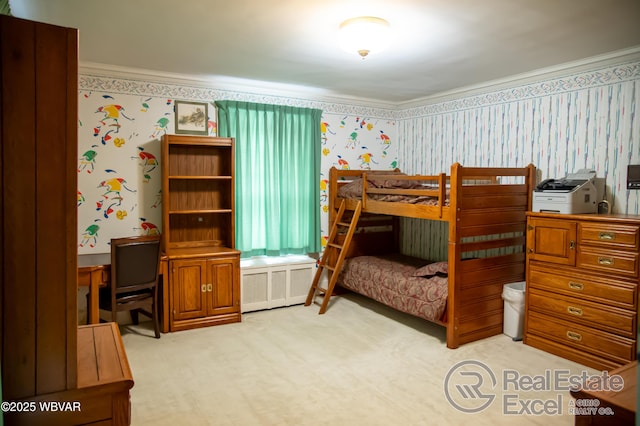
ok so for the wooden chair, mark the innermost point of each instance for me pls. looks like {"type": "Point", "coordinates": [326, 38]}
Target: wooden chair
{"type": "Point", "coordinates": [135, 264]}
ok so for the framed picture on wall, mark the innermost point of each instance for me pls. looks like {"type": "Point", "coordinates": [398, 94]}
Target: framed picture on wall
{"type": "Point", "coordinates": [191, 118]}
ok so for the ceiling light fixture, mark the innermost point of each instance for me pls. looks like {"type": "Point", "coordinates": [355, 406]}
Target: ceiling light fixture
{"type": "Point", "coordinates": [364, 35]}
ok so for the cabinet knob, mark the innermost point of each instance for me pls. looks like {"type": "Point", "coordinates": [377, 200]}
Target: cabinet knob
{"type": "Point", "coordinates": [576, 286]}
{"type": "Point", "coordinates": [209, 287]}
{"type": "Point", "coordinates": [574, 311]}
{"type": "Point", "coordinates": [204, 288]}
{"type": "Point", "coordinates": [572, 244]}
{"type": "Point", "coordinates": [574, 336]}
{"type": "Point", "coordinates": [530, 250]}
{"type": "Point", "coordinates": [607, 236]}
{"type": "Point", "coordinates": [607, 261]}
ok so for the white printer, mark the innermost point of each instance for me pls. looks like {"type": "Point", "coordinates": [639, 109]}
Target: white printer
{"type": "Point", "coordinates": [574, 194]}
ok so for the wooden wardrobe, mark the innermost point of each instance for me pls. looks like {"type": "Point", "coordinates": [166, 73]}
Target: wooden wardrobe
{"type": "Point", "coordinates": [39, 141]}
{"type": "Point", "coordinates": [45, 356]}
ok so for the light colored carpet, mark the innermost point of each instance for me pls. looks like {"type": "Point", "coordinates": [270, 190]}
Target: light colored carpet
{"type": "Point", "coordinates": [360, 363]}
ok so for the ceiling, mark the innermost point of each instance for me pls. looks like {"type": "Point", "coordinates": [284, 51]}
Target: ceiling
{"type": "Point", "coordinates": [436, 46]}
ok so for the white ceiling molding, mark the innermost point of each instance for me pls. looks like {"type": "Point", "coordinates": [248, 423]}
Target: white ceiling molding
{"type": "Point", "coordinates": [95, 76]}
{"type": "Point", "coordinates": [626, 56]}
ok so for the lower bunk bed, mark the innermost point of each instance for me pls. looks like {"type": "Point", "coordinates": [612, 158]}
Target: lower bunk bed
{"type": "Point", "coordinates": [406, 283]}
{"type": "Point", "coordinates": [485, 211]}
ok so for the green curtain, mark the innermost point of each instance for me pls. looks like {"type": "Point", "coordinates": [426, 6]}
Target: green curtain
{"type": "Point", "coordinates": [5, 8]}
{"type": "Point", "coordinates": [277, 176]}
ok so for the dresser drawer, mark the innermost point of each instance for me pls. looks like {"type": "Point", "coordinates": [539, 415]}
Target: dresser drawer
{"type": "Point", "coordinates": [608, 261]}
{"type": "Point", "coordinates": [609, 235]}
{"type": "Point", "coordinates": [578, 355]}
{"type": "Point", "coordinates": [581, 337]}
{"type": "Point", "coordinates": [601, 290]}
{"type": "Point", "coordinates": [607, 318]}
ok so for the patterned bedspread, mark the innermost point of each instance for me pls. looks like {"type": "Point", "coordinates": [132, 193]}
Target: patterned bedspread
{"type": "Point", "coordinates": [390, 280]}
{"type": "Point", "coordinates": [354, 190]}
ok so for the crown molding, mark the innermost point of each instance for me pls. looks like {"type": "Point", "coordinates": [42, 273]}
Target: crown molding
{"type": "Point", "coordinates": [98, 76]}
{"type": "Point", "coordinates": [569, 69]}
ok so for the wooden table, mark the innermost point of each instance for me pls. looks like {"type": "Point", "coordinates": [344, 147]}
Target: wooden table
{"type": "Point", "coordinates": [621, 403]}
{"type": "Point", "coordinates": [94, 270]}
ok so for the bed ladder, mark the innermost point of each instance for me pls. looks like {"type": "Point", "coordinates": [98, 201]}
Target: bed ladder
{"type": "Point", "coordinates": [334, 252]}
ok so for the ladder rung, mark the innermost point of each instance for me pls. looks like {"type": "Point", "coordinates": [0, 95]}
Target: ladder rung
{"type": "Point", "coordinates": [321, 290]}
{"type": "Point", "coordinates": [338, 246]}
{"type": "Point", "coordinates": [329, 267]}
{"type": "Point", "coordinates": [344, 224]}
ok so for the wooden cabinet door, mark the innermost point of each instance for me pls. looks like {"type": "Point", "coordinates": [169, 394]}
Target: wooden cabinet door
{"type": "Point", "coordinates": [223, 286]}
{"type": "Point", "coordinates": [552, 241]}
{"type": "Point", "coordinates": [189, 289]}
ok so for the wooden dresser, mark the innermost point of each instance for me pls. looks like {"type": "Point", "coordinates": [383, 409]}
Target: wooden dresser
{"type": "Point", "coordinates": [582, 287]}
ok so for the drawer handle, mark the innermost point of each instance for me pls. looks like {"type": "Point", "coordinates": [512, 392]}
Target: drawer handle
{"type": "Point", "coordinates": [574, 311]}
{"type": "Point", "coordinates": [576, 286]}
{"type": "Point", "coordinates": [204, 288]}
{"type": "Point", "coordinates": [209, 287]}
{"type": "Point", "coordinates": [574, 336]}
{"type": "Point", "coordinates": [605, 261]}
{"type": "Point", "coordinates": [607, 236]}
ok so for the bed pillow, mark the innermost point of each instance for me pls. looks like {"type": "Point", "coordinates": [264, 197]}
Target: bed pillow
{"type": "Point", "coordinates": [432, 269]}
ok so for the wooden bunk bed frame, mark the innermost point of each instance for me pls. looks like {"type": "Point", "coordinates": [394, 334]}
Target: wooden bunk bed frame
{"type": "Point", "coordinates": [483, 215]}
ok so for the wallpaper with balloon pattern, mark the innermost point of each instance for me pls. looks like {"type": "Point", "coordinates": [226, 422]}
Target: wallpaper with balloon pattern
{"type": "Point", "coordinates": [118, 167]}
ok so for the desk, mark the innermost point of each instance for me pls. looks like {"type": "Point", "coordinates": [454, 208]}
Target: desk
{"type": "Point", "coordinates": [623, 403]}
{"type": "Point", "coordinates": [94, 271]}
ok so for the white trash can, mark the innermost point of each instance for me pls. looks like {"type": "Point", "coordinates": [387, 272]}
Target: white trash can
{"type": "Point", "coordinates": [513, 296]}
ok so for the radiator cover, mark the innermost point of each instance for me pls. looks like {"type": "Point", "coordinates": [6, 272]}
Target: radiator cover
{"type": "Point", "coordinates": [271, 282]}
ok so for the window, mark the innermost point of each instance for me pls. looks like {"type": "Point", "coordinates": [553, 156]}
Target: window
{"type": "Point", "coordinates": [277, 176]}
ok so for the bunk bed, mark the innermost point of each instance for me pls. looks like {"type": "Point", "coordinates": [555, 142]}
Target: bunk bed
{"type": "Point", "coordinates": [485, 211]}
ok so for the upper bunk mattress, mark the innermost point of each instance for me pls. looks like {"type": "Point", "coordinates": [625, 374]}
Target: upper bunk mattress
{"type": "Point", "coordinates": [353, 190]}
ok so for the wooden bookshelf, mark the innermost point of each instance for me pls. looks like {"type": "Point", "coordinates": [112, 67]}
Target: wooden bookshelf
{"type": "Point", "coordinates": [198, 205]}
